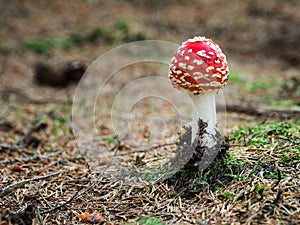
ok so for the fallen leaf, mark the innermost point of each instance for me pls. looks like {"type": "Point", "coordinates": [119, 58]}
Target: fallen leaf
{"type": "Point", "coordinates": [123, 146]}
{"type": "Point", "coordinates": [84, 215]}
{"type": "Point", "coordinates": [94, 218]}
{"type": "Point", "coordinates": [18, 167]}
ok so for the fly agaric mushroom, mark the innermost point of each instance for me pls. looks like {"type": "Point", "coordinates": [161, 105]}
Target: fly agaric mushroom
{"type": "Point", "coordinates": [200, 67]}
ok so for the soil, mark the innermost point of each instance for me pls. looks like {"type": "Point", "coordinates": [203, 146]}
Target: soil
{"type": "Point", "coordinates": [261, 40]}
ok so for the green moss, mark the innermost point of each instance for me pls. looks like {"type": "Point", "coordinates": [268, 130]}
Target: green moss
{"type": "Point", "coordinates": [281, 134]}
{"type": "Point", "coordinates": [220, 173]}
{"type": "Point", "coordinates": [261, 85]}
{"type": "Point", "coordinates": [21, 115]}
{"type": "Point", "coordinates": [5, 46]}
{"type": "Point", "coordinates": [10, 134]}
{"type": "Point", "coordinates": [235, 77]}
{"type": "Point", "coordinates": [122, 26]}
{"type": "Point", "coordinates": [147, 221]}
{"type": "Point", "coordinates": [40, 119]}
{"type": "Point", "coordinates": [77, 38]}
{"type": "Point", "coordinates": [279, 140]}
{"type": "Point", "coordinates": [281, 102]}
{"type": "Point", "coordinates": [44, 46]}
{"type": "Point", "coordinates": [39, 46]}
{"type": "Point", "coordinates": [261, 190]}
{"type": "Point", "coordinates": [62, 43]}
{"type": "Point", "coordinates": [228, 195]}
{"type": "Point", "coordinates": [98, 34]}
{"type": "Point", "coordinates": [119, 32]}
{"type": "Point", "coordinates": [282, 138]}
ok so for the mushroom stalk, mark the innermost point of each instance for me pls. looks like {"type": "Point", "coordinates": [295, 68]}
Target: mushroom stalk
{"type": "Point", "coordinates": [204, 108]}
{"type": "Point", "coordinates": [200, 67]}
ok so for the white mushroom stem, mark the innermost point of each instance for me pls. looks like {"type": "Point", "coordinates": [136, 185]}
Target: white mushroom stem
{"type": "Point", "coordinates": [205, 108]}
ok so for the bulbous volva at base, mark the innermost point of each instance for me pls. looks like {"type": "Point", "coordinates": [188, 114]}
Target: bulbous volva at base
{"type": "Point", "coordinates": [190, 159]}
{"type": "Point", "coordinates": [196, 156]}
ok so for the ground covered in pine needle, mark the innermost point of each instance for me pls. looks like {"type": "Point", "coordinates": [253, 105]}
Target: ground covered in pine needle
{"type": "Point", "coordinates": [46, 179]}
{"type": "Point", "coordinates": [255, 182]}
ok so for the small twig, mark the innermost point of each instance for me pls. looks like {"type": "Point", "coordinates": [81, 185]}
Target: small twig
{"type": "Point", "coordinates": [146, 149]}
{"type": "Point", "coordinates": [106, 137]}
{"type": "Point", "coordinates": [31, 158]}
{"type": "Point", "coordinates": [63, 204]}
{"type": "Point", "coordinates": [279, 192]}
{"type": "Point", "coordinates": [83, 190]}
{"type": "Point", "coordinates": [255, 111]}
{"type": "Point", "coordinates": [40, 218]}
{"type": "Point", "coordinates": [5, 113]}
{"type": "Point", "coordinates": [21, 183]}
{"type": "Point", "coordinates": [5, 147]}
{"type": "Point", "coordinates": [28, 138]}
{"type": "Point", "coordinates": [115, 149]}
{"type": "Point", "coordinates": [22, 96]}
{"type": "Point", "coordinates": [278, 180]}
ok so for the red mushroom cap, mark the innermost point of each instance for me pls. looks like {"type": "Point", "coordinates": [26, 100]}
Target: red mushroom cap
{"type": "Point", "coordinates": [199, 65]}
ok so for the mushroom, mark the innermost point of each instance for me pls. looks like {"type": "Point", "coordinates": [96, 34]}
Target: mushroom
{"type": "Point", "coordinates": [200, 67]}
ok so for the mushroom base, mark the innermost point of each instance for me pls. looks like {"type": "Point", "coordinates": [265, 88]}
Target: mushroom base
{"type": "Point", "coordinates": [196, 156]}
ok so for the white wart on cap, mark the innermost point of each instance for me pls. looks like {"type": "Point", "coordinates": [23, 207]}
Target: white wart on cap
{"type": "Point", "coordinates": [199, 65]}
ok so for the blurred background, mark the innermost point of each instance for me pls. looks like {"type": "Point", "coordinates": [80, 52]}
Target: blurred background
{"type": "Point", "coordinates": [45, 48]}
{"type": "Point", "coordinates": [260, 38]}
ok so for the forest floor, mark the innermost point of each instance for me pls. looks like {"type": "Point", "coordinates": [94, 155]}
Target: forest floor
{"type": "Point", "coordinates": [46, 179]}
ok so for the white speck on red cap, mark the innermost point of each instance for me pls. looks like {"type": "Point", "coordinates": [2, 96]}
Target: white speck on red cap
{"type": "Point", "coordinates": [199, 65]}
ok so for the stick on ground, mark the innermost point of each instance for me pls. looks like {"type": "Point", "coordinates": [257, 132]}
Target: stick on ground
{"type": "Point", "coordinates": [21, 183]}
